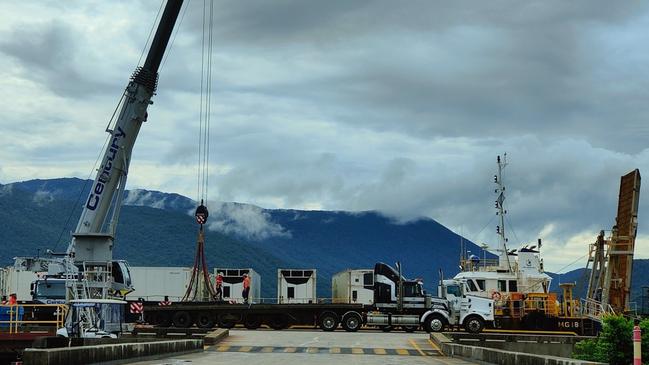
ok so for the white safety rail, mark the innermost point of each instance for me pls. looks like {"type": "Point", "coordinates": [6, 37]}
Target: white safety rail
{"type": "Point", "coordinates": [594, 309]}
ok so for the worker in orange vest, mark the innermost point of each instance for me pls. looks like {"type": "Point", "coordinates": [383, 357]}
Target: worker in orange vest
{"type": "Point", "coordinates": [219, 286]}
{"type": "Point", "coordinates": [13, 300]}
{"type": "Point", "coordinates": [246, 288]}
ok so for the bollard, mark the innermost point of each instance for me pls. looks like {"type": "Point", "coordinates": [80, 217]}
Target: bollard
{"type": "Point", "coordinates": [637, 341]}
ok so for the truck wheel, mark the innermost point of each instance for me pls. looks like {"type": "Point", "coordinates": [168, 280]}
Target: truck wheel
{"type": "Point", "coordinates": [435, 323]}
{"type": "Point", "coordinates": [473, 324]}
{"type": "Point", "coordinates": [182, 319]}
{"type": "Point", "coordinates": [278, 322]}
{"type": "Point", "coordinates": [352, 322]}
{"type": "Point", "coordinates": [252, 322]}
{"type": "Point", "coordinates": [204, 320]}
{"type": "Point", "coordinates": [328, 321]}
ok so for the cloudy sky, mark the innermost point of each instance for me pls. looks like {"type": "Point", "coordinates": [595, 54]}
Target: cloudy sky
{"type": "Point", "coordinates": [400, 107]}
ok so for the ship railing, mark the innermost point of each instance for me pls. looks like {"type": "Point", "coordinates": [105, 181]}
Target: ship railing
{"type": "Point", "coordinates": [633, 309]}
{"type": "Point", "coordinates": [519, 308]}
{"type": "Point", "coordinates": [479, 265]}
{"type": "Point", "coordinates": [16, 317]}
{"type": "Point", "coordinates": [546, 305]}
{"type": "Point", "coordinates": [594, 309]}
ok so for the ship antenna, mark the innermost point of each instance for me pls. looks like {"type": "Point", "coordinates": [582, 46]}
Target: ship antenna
{"type": "Point", "coordinates": [500, 191]}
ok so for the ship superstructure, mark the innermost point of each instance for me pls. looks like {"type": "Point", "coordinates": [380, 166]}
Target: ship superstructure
{"type": "Point", "coordinates": [513, 271]}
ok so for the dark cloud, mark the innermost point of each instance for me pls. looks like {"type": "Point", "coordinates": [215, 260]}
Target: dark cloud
{"type": "Point", "coordinates": [47, 54]}
{"type": "Point", "coordinates": [437, 69]}
{"type": "Point", "coordinates": [361, 105]}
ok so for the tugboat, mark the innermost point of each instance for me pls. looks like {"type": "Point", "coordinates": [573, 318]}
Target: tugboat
{"type": "Point", "coordinates": [517, 283]}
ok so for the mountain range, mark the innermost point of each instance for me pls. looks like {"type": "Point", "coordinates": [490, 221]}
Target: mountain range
{"type": "Point", "coordinates": [158, 229]}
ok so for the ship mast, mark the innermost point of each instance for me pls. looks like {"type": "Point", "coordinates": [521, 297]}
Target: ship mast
{"type": "Point", "coordinates": [503, 257]}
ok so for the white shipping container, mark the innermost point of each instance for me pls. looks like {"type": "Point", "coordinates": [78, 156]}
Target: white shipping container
{"type": "Point", "coordinates": [296, 286]}
{"type": "Point", "coordinates": [154, 283]}
{"type": "Point", "coordinates": [233, 284]}
{"type": "Point", "coordinates": [353, 286]}
{"type": "Point", "coordinates": [19, 282]}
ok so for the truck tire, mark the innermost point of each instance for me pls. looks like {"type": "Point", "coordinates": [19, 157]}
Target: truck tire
{"type": "Point", "coordinates": [226, 323]}
{"type": "Point", "coordinates": [328, 321]}
{"type": "Point", "coordinates": [474, 324]}
{"type": "Point", "coordinates": [435, 323]}
{"type": "Point", "coordinates": [182, 319]}
{"type": "Point", "coordinates": [352, 322]}
{"type": "Point", "coordinates": [252, 322]}
{"type": "Point", "coordinates": [204, 320]}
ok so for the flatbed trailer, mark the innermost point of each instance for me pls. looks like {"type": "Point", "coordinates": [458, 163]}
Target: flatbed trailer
{"type": "Point", "coordinates": [327, 316]}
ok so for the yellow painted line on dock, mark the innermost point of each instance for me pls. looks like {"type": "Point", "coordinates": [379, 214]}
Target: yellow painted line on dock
{"type": "Point", "coordinates": [245, 348]}
{"type": "Point", "coordinates": [357, 351]}
{"type": "Point", "coordinates": [334, 350]}
{"type": "Point", "coordinates": [414, 344]}
{"type": "Point", "coordinates": [267, 349]}
{"type": "Point", "coordinates": [223, 348]}
{"type": "Point", "coordinates": [380, 352]}
{"type": "Point", "coordinates": [311, 350]}
{"type": "Point", "coordinates": [290, 349]}
{"type": "Point", "coordinates": [403, 352]}
{"type": "Point", "coordinates": [434, 346]}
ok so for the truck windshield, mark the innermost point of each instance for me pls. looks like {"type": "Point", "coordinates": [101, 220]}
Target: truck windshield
{"type": "Point", "coordinates": [50, 290]}
{"type": "Point", "coordinates": [453, 290]}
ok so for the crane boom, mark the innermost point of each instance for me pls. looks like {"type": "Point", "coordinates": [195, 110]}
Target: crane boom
{"type": "Point", "coordinates": [117, 155]}
{"type": "Point", "coordinates": [87, 268]}
{"type": "Point", "coordinates": [617, 283]}
{"type": "Point", "coordinates": [610, 277]}
{"type": "Point", "coordinates": [92, 240]}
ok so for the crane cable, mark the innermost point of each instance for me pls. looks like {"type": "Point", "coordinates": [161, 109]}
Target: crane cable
{"type": "Point", "coordinates": [205, 105]}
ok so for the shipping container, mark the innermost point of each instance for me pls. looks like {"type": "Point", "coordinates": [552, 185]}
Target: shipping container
{"type": "Point", "coordinates": [296, 286]}
{"type": "Point", "coordinates": [353, 286]}
{"type": "Point", "coordinates": [233, 285]}
{"type": "Point", "coordinates": [17, 281]}
{"type": "Point", "coordinates": [154, 283]}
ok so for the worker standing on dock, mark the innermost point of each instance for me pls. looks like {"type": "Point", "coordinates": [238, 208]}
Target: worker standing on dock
{"type": "Point", "coordinates": [246, 288]}
{"type": "Point", "coordinates": [13, 299]}
{"type": "Point", "coordinates": [218, 286]}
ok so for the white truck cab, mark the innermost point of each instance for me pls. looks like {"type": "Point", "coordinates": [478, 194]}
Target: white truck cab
{"type": "Point", "coordinates": [469, 311]}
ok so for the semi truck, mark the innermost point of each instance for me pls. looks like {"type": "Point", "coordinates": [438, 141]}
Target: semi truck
{"type": "Point", "coordinates": [398, 303]}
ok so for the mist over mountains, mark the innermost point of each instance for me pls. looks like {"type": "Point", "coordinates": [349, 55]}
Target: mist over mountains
{"type": "Point", "coordinates": [158, 229]}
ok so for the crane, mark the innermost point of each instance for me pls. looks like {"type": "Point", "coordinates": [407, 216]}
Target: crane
{"type": "Point", "coordinates": [87, 267]}
{"type": "Point", "coordinates": [609, 282]}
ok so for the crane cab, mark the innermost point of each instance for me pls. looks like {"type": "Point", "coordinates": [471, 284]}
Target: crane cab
{"type": "Point", "coordinates": [122, 281]}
